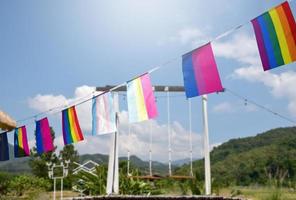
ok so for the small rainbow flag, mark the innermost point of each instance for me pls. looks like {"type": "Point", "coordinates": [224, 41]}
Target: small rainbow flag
{"type": "Point", "coordinates": [44, 140]}
{"type": "Point", "coordinates": [71, 129]}
{"type": "Point", "coordinates": [200, 72]}
{"type": "Point", "coordinates": [4, 149]}
{"type": "Point", "coordinates": [275, 32]}
{"type": "Point", "coordinates": [103, 114]}
{"type": "Point", "coordinates": [140, 99]}
{"type": "Point", "coordinates": [21, 147]}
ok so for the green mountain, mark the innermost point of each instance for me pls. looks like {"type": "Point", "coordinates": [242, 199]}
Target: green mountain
{"type": "Point", "coordinates": [20, 165]}
{"type": "Point", "coordinates": [143, 166]}
{"type": "Point", "coordinates": [253, 160]}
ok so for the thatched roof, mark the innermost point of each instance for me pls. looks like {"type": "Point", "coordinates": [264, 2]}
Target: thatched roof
{"type": "Point", "coordinates": [6, 122]}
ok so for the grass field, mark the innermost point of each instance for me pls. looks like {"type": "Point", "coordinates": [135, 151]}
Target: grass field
{"type": "Point", "coordinates": [259, 193]}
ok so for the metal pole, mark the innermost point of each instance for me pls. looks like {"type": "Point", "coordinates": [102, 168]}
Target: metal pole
{"type": "Point", "coordinates": [150, 149]}
{"type": "Point", "coordinates": [128, 150]}
{"type": "Point", "coordinates": [206, 146]}
{"type": "Point", "coordinates": [169, 130]}
{"type": "Point", "coordinates": [54, 189]}
{"type": "Point", "coordinates": [61, 188]}
{"type": "Point", "coordinates": [190, 136]}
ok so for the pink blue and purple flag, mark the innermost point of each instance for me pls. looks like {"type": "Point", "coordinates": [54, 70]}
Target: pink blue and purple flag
{"type": "Point", "coordinates": [275, 32]}
{"type": "Point", "coordinates": [200, 72]}
{"type": "Point", "coordinates": [21, 147]}
{"type": "Point", "coordinates": [140, 99]}
{"type": "Point", "coordinates": [44, 140]}
{"type": "Point", "coordinates": [4, 149]}
{"type": "Point", "coordinates": [103, 114]}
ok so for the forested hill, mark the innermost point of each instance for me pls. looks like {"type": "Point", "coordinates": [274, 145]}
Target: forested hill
{"type": "Point", "coordinates": [251, 160]}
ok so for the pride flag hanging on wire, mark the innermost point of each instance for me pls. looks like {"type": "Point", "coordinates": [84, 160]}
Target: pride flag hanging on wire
{"type": "Point", "coordinates": [4, 150]}
{"type": "Point", "coordinates": [71, 129]}
{"type": "Point", "coordinates": [44, 141]}
{"type": "Point", "coordinates": [103, 114]}
{"type": "Point", "coordinates": [200, 72]}
{"type": "Point", "coordinates": [275, 32]}
{"type": "Point", "coordinates": [140, 99]}
{"type": "Point", "coordinates": [21, 147]}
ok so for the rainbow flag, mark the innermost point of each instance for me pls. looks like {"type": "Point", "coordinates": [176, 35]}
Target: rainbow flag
{"type": "Point", "coordinates": [71, 129]}
{"type": "Point", "coordinates": [200, 72]}
{"type": "Point", "coordinates": [4, 149]}
{"type": "Point", "coordinates": [140, 99]}
{"type": "Point", "coordinates": [103, 114]}
{"type": "Point", "coordinates": [21, 147]}
{"type": "Point", "coordinates": [44, 140]}
{"type": "Point", "coordinates": [275, 32]}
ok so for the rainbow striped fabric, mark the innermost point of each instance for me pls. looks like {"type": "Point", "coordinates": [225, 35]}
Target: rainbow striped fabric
{"type": "Point", "coordinates": [200, 72]}
{"type": "Point", "coordinates": [21, 147]}
{"type": "Point", "coordinates": [71, 129]}
{"type": "Point", "coordinates": [275, 32]}
{"type": "Point", "coordinates": [44, 140]}
{"type": "Point", "coordinates": [103, 114]}
{"type": "Point", "coordinates": [4, 149]}
{"type": "Point", "coordinates": [140, 99]}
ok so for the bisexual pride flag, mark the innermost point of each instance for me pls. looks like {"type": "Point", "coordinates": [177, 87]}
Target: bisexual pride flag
{"type": "Point", "coordinates": [71, 129]}
{"type": "Point", "coordinates": [140, 99]}
{"type": "Point", "coordinates": [275, 32]}
{"type": "Point", "coordinates": [21, 147]}
{"type": "Point", "coordinates": [200, 72]}
{"type": "Point", "coordinates": [44, 140]}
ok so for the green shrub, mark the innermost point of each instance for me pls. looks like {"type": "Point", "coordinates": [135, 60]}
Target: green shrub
{"type": "Point", "coordinates": [24, 183]}
{"type": "Point", "coordinates": [4, 183]}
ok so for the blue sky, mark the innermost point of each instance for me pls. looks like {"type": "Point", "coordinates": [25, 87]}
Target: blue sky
{"type": "Point", "coordinates": [50, 49]}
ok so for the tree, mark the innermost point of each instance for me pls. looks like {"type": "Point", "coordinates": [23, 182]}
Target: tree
{"type": "Point", "coordinates": [68, 153]}
{"type": "Point", "coordinates": [38, 162]}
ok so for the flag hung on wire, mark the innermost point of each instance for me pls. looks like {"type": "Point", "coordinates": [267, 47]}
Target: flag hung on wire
{"type": "Point", "coordinates": [21, 147]}
{"type": "Point", "coordinates": [103, 114]}
{"type": "Point", "coordinates": [200, 72]}
{"type": "Point", "coordinates": [44, 140]}
{"type": "Point", "coordinates": [4, 149]}
{"type": "Point", "coordinates": [140, 99]}
{"type": "Point", "coordinates": [71, 129]}
{"type": "Point", "coordinates": [275, 32]}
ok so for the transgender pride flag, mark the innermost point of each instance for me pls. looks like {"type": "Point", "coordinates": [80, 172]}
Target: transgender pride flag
{"type": "Point", "coordinates": [200, 72]}
{"type": "Point", "coordinates": [103, 114]}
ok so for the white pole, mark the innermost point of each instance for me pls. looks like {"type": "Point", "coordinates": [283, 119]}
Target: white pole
{"type": "Point", "coordinates": [150, 149]}
{"type": "Point", "coordinates": [190, 136]}
{"type": "Point", "coordinates": [54, 189]}
{"type": "Point", "coordinates": [61, 188]}
{"type": "Point", "coordinates": [169, 130]}
{"type": "Point", "coordinates": [206, 146]}
{"type": "Point", "coordinates": [113, 175]}
{"type": "Point", "coordinates": [128, 150]}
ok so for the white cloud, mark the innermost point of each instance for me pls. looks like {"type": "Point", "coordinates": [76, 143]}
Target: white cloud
{"type": "Point", "coordinates": [233, 107]}
{"type": "Point", "coordinates": [138, 140]}
{"type": "Point", "coordinates": [243, 48]}
{"type": "Point", "coordinates": [224, 107]}
{"type": "Point", "coordinates": [188, 35]}
{"type": "Point", "coordinates": [281, 85]}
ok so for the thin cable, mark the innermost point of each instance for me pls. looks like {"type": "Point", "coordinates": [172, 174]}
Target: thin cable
{"type": "Point", "coordinates": [150, 148]}
{"type": "Point", "coordinates": [150, 71]}
{"type": "Point", "coordinates": [247, 100]}
{"type": "Point", "coordinates": [190, 135]}
{"type": "Point", "coordinates": [128, 150]}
